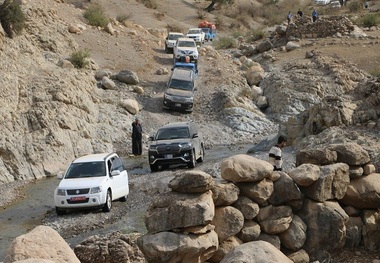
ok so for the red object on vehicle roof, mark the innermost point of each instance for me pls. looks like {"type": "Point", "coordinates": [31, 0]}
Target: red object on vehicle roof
{"type": "Point", "coordinates": [205, 23]}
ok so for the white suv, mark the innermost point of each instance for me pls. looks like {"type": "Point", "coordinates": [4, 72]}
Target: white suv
{"type": "Point", "coordinates": [92, 181]}
{"type": "Point", "coordinates": [185, 47]}
{"type": "Point", "coordinates": [197, 34]}
{"type": "Point", "coordinates": [171, 40]}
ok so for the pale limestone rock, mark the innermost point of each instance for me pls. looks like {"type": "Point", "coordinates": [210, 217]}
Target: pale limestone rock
{"type": "Point", "coordinates": [109, 29]}
{"type": "Point", "coordinates": [363, 192]}
{"type": "Point", "coordinates": [64, 63]}
{"type": "Point", "coordinates": [355, 172]}
{"type": "Point", "coordinates": [190, 210]}
{"type": "Point", "coordinates": [350, 153]}
{"type": "Point", "coordinates": [316, 156]}
{"type": "Point", "coordinates": [228, 222]}
{"type": "Point", "coordinates": [274, 219]}
{"type": "Point", "coordinates": [254, 75]}
{"type": "Point", "coordinates": [42, 242]}
{"type": "Point", "coordinates": [305, 174]}
{"type": "Point", "coordinates": [176, 247]}
{"type": "Point", "coordinates": [259, 192]}
{"type": "Point", "coordinates": [291, 46]}
{"type": "Point", "coordinates": [108, 83]}
{"type": "Point", "coordinates": [285, 191]}
{"type": "Point", "coordinates": [272, 239]}
{"type": "Point", "coordinates": [128, 77]}
{"type": "Point", "coordinates": [224, 193]}
{"type": "Point", "coordinates": [368, 169]}
{"type": "Point", "coordinates": [138, 90]}
{"type": "Point", "coordinates": [245, 168]}
{"type": "Point", "coordinates": [192, 181]}
{"type": "Point", "coordinates": [250, 231]}
{"type": "Point", "coordinates": [224, 248]}
{"type": "Point", "coordinates": [248, 208]}
{"type": "Point", "coordinates": [131, 105]}
{"type": "Point", "coordinates": [256, 251]}
{"type": "Point", "coordinates": [371, 231]}
{"type": "Point", "coordinates": [294, 237]}
{"type": "Point", "coordinates": [74, 29]}
{"type": "Point", "coordinates": [300, 256]}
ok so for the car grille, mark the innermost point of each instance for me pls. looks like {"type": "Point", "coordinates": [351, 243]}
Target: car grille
{"type": "Point", "coordinates": [78, 191]}
{"type": "Point", "coordinates": [168, 149]}
{"type": "Point", "coordinates": [78, 201]}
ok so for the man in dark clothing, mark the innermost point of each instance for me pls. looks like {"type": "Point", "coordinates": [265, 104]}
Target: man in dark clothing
{"type": "Point", "coordinates": [136, 137]}
{"type": "Point", "coordinates": [300, 13]}
{"type": "Point", "coordinates": [314, 15]}
{"type": "Point", "coordinates": [275, 154]}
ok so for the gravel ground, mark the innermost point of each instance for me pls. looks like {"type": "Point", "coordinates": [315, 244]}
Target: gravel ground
{"type": "Point", "coordinates": [11, 192]}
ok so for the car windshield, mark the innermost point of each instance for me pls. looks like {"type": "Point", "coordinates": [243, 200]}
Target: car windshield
{"type": "Point", "coordinates": [186, 44]}
{"type": "Point", "coordinates": [193, 32]}
{"type": "Point", "coordinates": [87, 169]}
{"type": "Point", "coordinates": [180, 84]}
{"type": "Point", "coordinates": [173, 133]}
{"type": "Point", "coordinates": [174, 37]}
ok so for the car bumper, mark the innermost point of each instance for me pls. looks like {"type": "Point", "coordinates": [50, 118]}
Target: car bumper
{"type": "Point", "coordinates": [162, 159]}
{"type": "Point", "coordinates": [83, 201]}
{"type": "Point", "coordinates": [186, 106]}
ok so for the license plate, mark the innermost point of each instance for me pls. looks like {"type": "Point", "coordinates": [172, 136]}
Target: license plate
{"type": "Point", "coordinates": [78, 198]}
{"type": "Point", "coordinates": [178, 104]}
{"type": "Point", "coordinates": [168, 156]}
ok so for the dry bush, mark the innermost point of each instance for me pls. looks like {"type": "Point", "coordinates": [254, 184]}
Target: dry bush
{"type": "Point", "coordinates": [12, 18]}
{"type": "Point", "coordinates": [159, 15]}
{"type": "Point", "coordinates": [219, 22]}
{"type": "Point", "coordinates": [201, 14]}
{"type": "Point", "coordinates": [355, 6]}
{"type": "Point", "coordinates": [255, 34]}
{"type": "Point", "coordinates": [123, 17]}
{"type": "Point", "coordinates": [80, 58]}
{"type": "Point", "coordinates": [95, 16]}
{"type": "Point", "coordinates": [174, 28]}
{"type": "Point", "coordinates": [152, 4]}
{"type": "Point", "coordinates": [224, 43]}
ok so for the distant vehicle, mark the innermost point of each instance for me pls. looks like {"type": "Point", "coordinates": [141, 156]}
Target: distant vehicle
{"type": "Point", "coordinates": [179, 93]}
{"type": "Point", "coordinates": [197, 34]}
{"type": "Point", "coordinates": [176, 143]}
{"type": "Point", "coordinates": [92, 181]}
{"type": "Point", "coordinates": [171, 40]}
{"type": "Point", "coordinates": [335, 4]}
{"type": "Point", "coordinates": [187, 65]}
{"type": "Point", "coordinates": [321, 2]}
{"type": "Point", "coordinates": [209, 29]}
{"type": "Point", "coordinates": [185, 47]}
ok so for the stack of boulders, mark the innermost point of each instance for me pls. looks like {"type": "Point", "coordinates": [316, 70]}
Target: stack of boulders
{"type": "Point", "coordinates": [303, 27]}
{"type": "Point", "coordinates": [330, 200]}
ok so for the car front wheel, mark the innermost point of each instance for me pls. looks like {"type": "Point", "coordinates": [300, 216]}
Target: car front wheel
{"type": "Point", "coordinates": [108, 204]}
{"type": "Point", "coordinates": [191, 164]}
{"type": "Point", "coordinates": [202, 157]}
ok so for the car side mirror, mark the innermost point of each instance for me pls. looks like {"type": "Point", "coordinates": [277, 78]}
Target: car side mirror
{"type": "Point", "coordinates": [195, 135]}
{"type": "Point", "coordinates": [60, 175]}
{"type": "Point", "coordinates": [115, 173]}
{"type": "Point", "coordinates": [151, 138]}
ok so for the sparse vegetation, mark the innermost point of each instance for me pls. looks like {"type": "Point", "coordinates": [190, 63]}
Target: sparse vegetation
{"type": "Point", "coordinates": [80, 58]}
{"type": "Point", "coordinates": [376, 73]}
{"type": "Point", "coordinates": [159, 15]}
{"type": "Point", "coordinates": [95, 16]}
{"type": "Point", "coordinates": [247, 92]}
{"type": "Point", "coordinates": [12, 18]}
{"type": "Point", "coordinates": [255, 34]}
{"type": "Point", "coordinates": [355, 6]}
{"type": "Point", "coordinates": [123, 17]}
{"type": "Point", "coordinates": [224, 43]}
{"type": "Point", "coordinates": [174, 28]}
{"type": "Point", "coordinates": [201, 14]}
{"type": "Point", "coordinates": [370, 20]}
{"type": "Point", "coordinates": [219, 22]}
{"type": "Point", "coordinates": [152, 4]}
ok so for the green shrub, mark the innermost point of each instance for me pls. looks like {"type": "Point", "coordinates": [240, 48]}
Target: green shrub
{"type": "Point", "coordinates": [355, 6]}
{"type": "Point", "coordinates": [12, 18]}
{"type": "Point", "coordinates": [255, 34]}
{"type": "Point", "coordinates": [174, 28]}
{"type": "Point", "coordinates": [95, 16]}
{"type": "Point", "coordinates": [80, 58]}
{"type": "Point", "coordinates": [224, 43]}
{"type": "Point", "coordinates": [370, 20]}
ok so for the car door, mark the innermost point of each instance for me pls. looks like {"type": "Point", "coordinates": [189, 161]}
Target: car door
{"type": "Point", "coordinates": [120, 184]}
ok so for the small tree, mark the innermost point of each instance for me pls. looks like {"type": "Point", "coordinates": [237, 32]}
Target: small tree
{"type": "Point", "coordinates": [80, 58]}
{"type": "Point", "coordinates": [12, 18]}
{"type": "Point", "coordinates": [211, 7]}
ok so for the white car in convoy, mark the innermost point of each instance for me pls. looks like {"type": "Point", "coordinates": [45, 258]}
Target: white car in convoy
{"type": "Point", "coordinates": [171, 40]}
{"type": "Point", "coordinates": [197, 34]}
{"type": "Point", "coordinates": [185, 47]}
{"type": "Point", "coordinates": [321, 2]}
{"type": "Point", "coordinates": [92, 181]}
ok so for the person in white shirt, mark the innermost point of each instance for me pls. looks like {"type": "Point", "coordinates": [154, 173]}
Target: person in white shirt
{"type": "Point", "coordinates": [275, 154]}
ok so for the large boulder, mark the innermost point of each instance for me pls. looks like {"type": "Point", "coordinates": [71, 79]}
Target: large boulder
{"type": "Point", "coordinates": [224, 193]}
{"type": "Point", "coordinates": [191, 182]}
{"type": "Point", "coordinates": [350, 153]}
{"type": "Point", "coordinates": [363, 192]}
{"type": "Point", "coordinates": [228, 222]}
{"type": "Point", "coordinates": [305, 174]}
{"type": "Point", "coordinates": [42, 243]}
{"type": "Point", "coordinates": [274, 219]}
{"type": "Point", "coordinates": [294, 237]}
{"type": "Point", "coordinates": [316, 156]}
{"type": "Point", "coordinates": [177, 247]}
{"type": "Point", "coordinates": [256, 252]}
{"type": "Point", "coordinates": [248, 208]}
{"type": "Point", "coordinates": [259, 192]}
{"type": "Point", "coordinates": [128, 77]}
{"type": "Point", "coordinates": [254, 75]}
{"type": "Point", "coordinates": [245, 168]}
{"type": "Point", "coordinates": [285, 191]}
{"type": "Point", "coordinates": [224, 248]}
{"type": "Point", "coordinates": [177, 210]}
{"type": "Point", "coordinates": [370, 230]}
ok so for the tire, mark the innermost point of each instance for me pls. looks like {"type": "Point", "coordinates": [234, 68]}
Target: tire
{"type": "Point", "coordinates": [192, 162]}
{"type": "Point", "coordinates": [60, 211]}
{"type": "Point", "coordinates": [108, 204]}
{"type": "Point", "coordinates": [153, 167]}
{"type": "Point", "coordinates": [201, 158]}
{"type": "Point", "coordinates": [166, 49]}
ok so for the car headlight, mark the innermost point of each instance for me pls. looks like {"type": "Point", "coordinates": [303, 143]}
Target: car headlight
{"type": "Point", "coordinates": [95, 190]}
{"type": "Point", "coordinates": [189, 100]}
{"type": "Point", "coordinates": [61, 192]}
{"type": "Point", "coordinates": [153, 148]}
{"type": "Point", "coordinates": [185, 145]}
{"type": "Point", "coordinates": [168, 97]}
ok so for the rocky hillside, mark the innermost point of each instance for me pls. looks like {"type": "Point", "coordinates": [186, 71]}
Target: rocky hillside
{"type": "Point", "coordinates": [53, 112]}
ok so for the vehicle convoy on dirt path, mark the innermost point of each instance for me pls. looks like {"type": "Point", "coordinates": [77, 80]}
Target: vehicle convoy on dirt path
{"type": "Point", "coordinates": [171, 40]}
{"type": "Point", "coordinates": [176, 143]}
{"type": "Point", "coordinates": [197, 34]}
{"type": "Point", "coordinates": [92, 181]}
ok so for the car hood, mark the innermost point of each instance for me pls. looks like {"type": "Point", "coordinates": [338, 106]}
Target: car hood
{"type": "Point", "coordinates": [179, 92]}
{"type": "Point", "coordinates": [194, 49]}
{"type": "Point", "coordinates": [194, 35]}
{"type": "Point", "coordinates": [86, 182]}
{"type": "Point", "coordinates": [171, 142]}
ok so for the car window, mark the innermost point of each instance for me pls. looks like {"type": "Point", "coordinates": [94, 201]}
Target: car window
{"type": "Point", "coordinates": [117, 164]}
{"type": "Point", "coordinates": [174, 37]}
{"type": "Point", "coordinates": [193, 32]}
{"type": "Point", "coordinates": [181, 84]}
{"type": "Point", "coordinates": [186, 44]}
{"type": "Point", "coordinates": [172, 133]}
{"type": "Point", "coordinates": [88, 169]}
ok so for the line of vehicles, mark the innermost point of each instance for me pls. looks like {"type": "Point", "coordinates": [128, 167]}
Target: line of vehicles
{"type": "Point", "coordinates": [95, 180]}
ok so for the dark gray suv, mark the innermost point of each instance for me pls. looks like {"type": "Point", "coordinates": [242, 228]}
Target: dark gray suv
{"type": "Point", "coordinates": [176, 143]}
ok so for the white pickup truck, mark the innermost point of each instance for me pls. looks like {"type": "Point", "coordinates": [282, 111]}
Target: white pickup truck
{"type": "Point", "coordinates": [197, 34]}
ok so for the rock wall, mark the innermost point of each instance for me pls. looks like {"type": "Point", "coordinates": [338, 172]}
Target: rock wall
{"type": "Point", "coordinates": [330, 200]}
